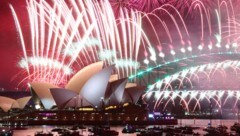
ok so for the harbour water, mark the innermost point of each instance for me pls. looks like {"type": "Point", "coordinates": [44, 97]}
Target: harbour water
{"type": "Point", "coordinates": [202, 123]}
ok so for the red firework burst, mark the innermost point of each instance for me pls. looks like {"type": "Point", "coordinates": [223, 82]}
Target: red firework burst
{"type": "Point", "coordinates": [146, 5]}
{"type": "Point", "coordinates": [117, 5]}
{"type": "Point", "coordinates": [190, 6]}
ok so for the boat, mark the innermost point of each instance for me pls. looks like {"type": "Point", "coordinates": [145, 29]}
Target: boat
{"type": "Point", "coordinates": [235, 127]}
{"type": "Point", "coordinates": [168, 129]}
{"type": "Point", "coordinates": [41, 133]}
{"type": "Point", "coordinates": [150, 133]}
{"type": "Point", "coordinates": [103, 131]}
{"type": "Point", "coordinates": [76, 127]}
{"type": "Point", "coordinates": [5, 132]}
{"type": "Point", "coordinates": [128, 129]}
{"type": "Point", "coordinates": [220, 130]}
{"type": "Point", "coordinates": [139, 128]}
{"type": "Point", "coordinates": [69, 133]}
{"type": "Point", "coordinates": [209, 129]}
{"type": "Point", "coordinates": [187, 130]}
{"type": "Point", "coordinates": [222, 127]}
{"type": "Point", "coordinates": [63, 131]}
{"type": "Point", "coordinates": [56, 129]}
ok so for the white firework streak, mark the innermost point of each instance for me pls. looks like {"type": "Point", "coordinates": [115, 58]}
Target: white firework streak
{"type": "Point", "coordinates": [194, 97]}
{"type": "Point", "coordinates": [208, 70]}
{"type": "Point", "coordinates": [56, 28]}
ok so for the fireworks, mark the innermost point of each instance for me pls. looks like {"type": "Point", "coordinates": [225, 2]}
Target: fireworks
{"type": "Point", "coordinates": [191, 6]}
{"type": "Point", "coordinates": [127, 63]}
{"type": "Point", "coordinates": [146, 5]}
{"type": "Point", "coordinates": [214, 36]}
{"type": "Point", "coordinates": [194, 97]}
{"type": "Point", "coordinates": [45, 69]}
{"type": "Point", "coordinates": [118, 5]}
{"type": "Point", "coordinates": [232, 31]}
{"type": "Point", "coordinates": [44, 62]}
{"type": "Point", "coordinates": [167, 88]}
{"type": "Point", "coordinates": [54, 37]}
{"type": "Point", "coordinates": [76, 47]}
{"type": "Point", "coordinates": [56, 44]}
{"type": "Point", "coordinates": [65, 37]}
{"type": "Point", "coordinates": [107, 55]}
{"type": "Point", "coordinates": [208, 70]}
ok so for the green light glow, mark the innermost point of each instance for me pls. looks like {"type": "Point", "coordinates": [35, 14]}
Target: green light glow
{"type": "Point", "coordinates": [181, 59]}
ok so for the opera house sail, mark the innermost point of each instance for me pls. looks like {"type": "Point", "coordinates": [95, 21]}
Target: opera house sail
{"type": "Point", "coordinates": [91, 86]}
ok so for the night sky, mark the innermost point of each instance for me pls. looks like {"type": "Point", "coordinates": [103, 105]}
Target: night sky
{"type": "Point", "coordinates": [10, 47]}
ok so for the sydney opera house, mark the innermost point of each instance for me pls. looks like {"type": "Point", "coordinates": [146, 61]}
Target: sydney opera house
{"type": "Point", "coordinates": [91, 95]}
{"type": "Point", "coordinates": [91, 86]}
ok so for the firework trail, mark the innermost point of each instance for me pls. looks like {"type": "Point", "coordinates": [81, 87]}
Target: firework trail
{"type": "Point", "coordinates": [77, 33]}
